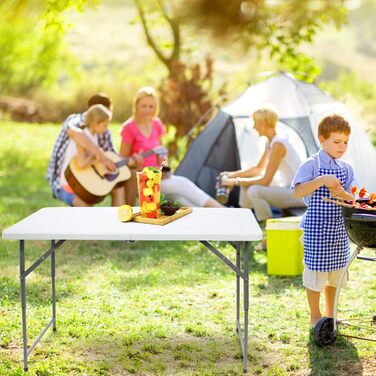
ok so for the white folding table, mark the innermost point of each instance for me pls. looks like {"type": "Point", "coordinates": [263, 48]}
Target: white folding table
{"type": "Point", "coordinates": [236, 226]}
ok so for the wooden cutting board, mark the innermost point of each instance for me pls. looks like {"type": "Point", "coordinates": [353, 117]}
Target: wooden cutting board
{"type": "Point", "coordinates": [163, 219]}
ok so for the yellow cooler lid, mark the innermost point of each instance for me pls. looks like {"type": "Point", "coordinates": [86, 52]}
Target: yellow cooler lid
{"type": "Point", "coordinates": [286, 223]}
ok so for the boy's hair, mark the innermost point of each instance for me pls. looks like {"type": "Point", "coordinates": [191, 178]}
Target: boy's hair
{"type": "Point", "coordinates": [97, 114]}
{"type": "Point", "coordinates": [100, 98]}
{"type": "Point", "coordinates": [331, 124]}
{"type": "Point", "coordinates": [146, 91]}
{"type": "Point", "coordinates": [266, 114]}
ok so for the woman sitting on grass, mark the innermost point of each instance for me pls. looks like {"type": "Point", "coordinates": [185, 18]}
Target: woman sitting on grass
{"type": "Point", "coordinates": [143, 132]}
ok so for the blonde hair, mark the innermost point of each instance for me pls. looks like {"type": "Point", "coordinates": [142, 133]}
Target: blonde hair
{"type": "Point", "coordinates": [146, 91]}
{"type": "Point", "coordinates": [333, 124]}
{"type": "Point", "coordinates": [97, 114]}
{"type": "Point", "coordinates": [266, 114]}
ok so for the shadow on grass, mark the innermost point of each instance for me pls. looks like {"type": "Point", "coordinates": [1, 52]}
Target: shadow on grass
{"type": "Point", "coordinates": [340, 359]}
{"type": "Point", "coordinates": [279, 284]}
{"type": "Point", "coordinates": [145, 355]}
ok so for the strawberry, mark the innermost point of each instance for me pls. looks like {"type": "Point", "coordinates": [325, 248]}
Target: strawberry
{"type": "Point", "coordinates": [153, 214]}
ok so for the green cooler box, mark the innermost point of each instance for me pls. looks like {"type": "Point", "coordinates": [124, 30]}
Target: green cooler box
{"type": "Point", "coordinates": [284, 248]}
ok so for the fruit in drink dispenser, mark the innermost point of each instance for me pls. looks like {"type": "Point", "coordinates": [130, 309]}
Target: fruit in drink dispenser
{"type": "Point", "coordinates": [149, 188]}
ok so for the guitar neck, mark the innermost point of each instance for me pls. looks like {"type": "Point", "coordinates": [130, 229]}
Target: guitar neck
{"type": "Point", "coordinates": [125, 161]}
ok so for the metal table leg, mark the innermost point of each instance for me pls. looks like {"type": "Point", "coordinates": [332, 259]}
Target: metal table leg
{"type": "Point", "coordinates": [246, 308]}
{"type": "Point", "coordinates": [23, 302]}
{"type": "Point", "coordinates": [237, 286]}
{"type": "Point", "coordinates": [23, 274]}
{"type": "Point", "coordinates": [243, 338]}
{"type": "Point", "coordinates": [53, 295]}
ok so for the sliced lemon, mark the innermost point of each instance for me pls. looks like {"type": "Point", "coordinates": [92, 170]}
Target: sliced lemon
{"type": "Point", "coordinates": [157, 178]}
{"type": "Point", "coordinates": [150, 183]}
{"type": "Point", "coordinates": [150, 174]}
{"type": "Point", "coordinates": [125, 213]}
{"type": "Point", "coordinates": [147, 192]}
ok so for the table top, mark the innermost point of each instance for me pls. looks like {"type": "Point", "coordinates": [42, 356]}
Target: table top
{"type": "Point", "coordinates": [101, 223]}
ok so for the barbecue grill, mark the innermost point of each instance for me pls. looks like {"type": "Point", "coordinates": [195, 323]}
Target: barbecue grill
{"type": "Point", "coordinates": [360, 226]}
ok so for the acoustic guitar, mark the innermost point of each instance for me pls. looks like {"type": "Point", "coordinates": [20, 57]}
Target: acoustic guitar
{"type": "Point", "coordinates": [93, 183]}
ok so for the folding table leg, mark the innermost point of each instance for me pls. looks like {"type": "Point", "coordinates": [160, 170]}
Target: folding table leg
{"type": "Point", "coordinates": [23, 274]}
{"type": "Point", "coordinates": [237, 285]}
{"type": "Point", "coordinates": [243, 336]}
{"type": "Point", "coordinates": [246, 307]}
{"type": "Point", "coordinates": [53, 285]}
{"type": "Point", "coordinates": [23, 302]}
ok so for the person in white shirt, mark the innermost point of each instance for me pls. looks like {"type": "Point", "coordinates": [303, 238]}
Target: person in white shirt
{"type": "Point", "coordinates": [267, 184]}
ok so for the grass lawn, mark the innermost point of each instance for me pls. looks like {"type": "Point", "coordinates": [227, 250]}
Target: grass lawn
{"type": "Point", "coordinates": [153, 308]}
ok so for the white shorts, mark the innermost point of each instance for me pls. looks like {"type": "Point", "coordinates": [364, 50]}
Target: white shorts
{"type": "Point", "coordinates": [316, 281]}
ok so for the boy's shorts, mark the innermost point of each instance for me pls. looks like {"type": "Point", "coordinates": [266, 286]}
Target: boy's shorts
{"type": "Point", "coordinates": [316, 281]}
{"type": "Point", "coordinates": [65, 196]}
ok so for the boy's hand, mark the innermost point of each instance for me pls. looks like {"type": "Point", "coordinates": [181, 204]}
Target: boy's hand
{"type": "Point", "coordinates": [331, 181]}
{"type": "Point", "coordinates": [335, 188]}
{"type": "Point", "coordinates": [341, 194]}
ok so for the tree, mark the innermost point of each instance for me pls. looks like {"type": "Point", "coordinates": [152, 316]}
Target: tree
{"type": "Point", "coordinates": [31, 34]}
{"type": "Point", "coordinates": [157, 15]}
{"type": "Point", "coordinates": [365, 31]}
{"type": "Point", "coordinates": [276, 26]}
{"type": "Point", "coordinates": [185, 92]}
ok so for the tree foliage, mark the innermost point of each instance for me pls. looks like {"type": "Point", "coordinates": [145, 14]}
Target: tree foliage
{"type": "Point", "coordinates": [364, 26]}
{"type": "Point", "coordinates": [31, 35]}
{"type": "Point", "coordinates": [278, 27]}
{"type": "Point", "coordinates": [185, 92]}
{"type": "Point", "coordinates": [185, 95]}
{"type": "Point", "coordinates": [162, 29]}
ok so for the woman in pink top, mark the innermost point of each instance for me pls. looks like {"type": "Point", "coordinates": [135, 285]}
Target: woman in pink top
{"type": "Point", "coordinates": [143, 132]}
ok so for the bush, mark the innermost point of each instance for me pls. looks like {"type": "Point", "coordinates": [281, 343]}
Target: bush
{"type": "Point", "coordinates": [185, 97]}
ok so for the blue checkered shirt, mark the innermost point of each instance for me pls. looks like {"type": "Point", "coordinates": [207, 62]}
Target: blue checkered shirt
{"type": "Point", "coordinates": [57, 157]}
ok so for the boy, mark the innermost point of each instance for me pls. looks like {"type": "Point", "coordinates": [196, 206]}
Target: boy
{"type": "Point", "coordinates": [326, 244]}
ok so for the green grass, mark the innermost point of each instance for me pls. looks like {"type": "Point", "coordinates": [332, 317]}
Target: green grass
{"type": "Point", "coordinates": [152, 308]}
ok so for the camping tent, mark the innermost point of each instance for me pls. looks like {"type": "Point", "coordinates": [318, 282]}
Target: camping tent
{"type": "Point", "coordinates": [229, 142]}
